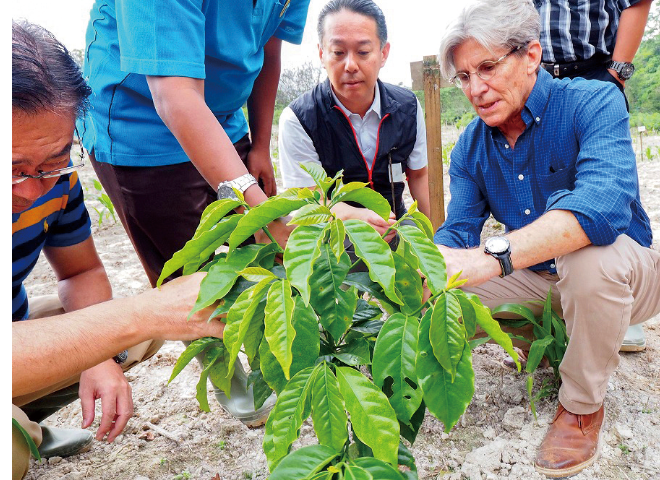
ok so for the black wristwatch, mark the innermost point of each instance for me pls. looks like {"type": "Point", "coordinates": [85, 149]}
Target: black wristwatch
{"type": "Point", "coordinates": [121, 357]}
{"type": "Point", "coordinates": [500, 248]}
{"type": "Point", "coordinates": [242, 183]}
{"type": "Point", "coordinates": [624, 70]}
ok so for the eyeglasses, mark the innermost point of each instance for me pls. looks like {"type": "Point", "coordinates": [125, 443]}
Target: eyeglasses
{"type": "Point", "coordinates": [51, 173]}
{"type": "Point", "coordinates": [485, 71]}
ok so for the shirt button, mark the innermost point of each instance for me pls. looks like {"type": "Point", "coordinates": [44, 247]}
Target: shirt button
{"type": "Point", "coordinates": [521, 177]}
{"type": "Point", "coordinates": [552, 265]}
{"type": "Point", "coordinates": [538, 119]}
{"type": "Point", "coordinates": [506, 146]}
{"type": "Point", "coordinates": [527, 211]}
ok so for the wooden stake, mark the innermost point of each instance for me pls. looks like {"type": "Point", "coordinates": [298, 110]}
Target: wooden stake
{"type": "Point", "coordinates": [432, 84]}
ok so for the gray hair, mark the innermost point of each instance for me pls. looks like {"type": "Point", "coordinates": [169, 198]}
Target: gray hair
{"type": "Point", "coordinates": [43, 73]}
{"type": "Point", "coordinates": [363, 7]}
{"type": "Point", "coordinates": [493, 24]}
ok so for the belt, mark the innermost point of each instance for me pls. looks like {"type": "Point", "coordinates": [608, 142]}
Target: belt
{"type": "Point", "coordinates": [560, 70]}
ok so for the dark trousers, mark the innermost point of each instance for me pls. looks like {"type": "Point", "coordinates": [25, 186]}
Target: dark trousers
{"type": "Point", "coordinates": [159, 207]}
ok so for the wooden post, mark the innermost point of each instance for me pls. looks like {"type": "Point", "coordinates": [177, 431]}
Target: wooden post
{"type": "Point", "coordinates": [432, 81]}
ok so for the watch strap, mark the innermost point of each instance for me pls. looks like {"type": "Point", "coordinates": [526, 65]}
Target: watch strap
{"type": "Point", "coordinates": [505, 263]}
{"type": "Point", "coordinates": [618, 68]}
{"type": "Point", "coordinates": [241, 184]}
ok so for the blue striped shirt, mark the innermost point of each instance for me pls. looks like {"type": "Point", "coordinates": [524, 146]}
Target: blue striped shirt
{"type": "Point", "coordinates": [572, 30]}
{"type": "Point", "coordinates": [58, 219]}
{"type": "Point", "coordinates": [575, 154]}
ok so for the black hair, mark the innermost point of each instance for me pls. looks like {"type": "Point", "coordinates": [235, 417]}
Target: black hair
{"type": "Point", "coordinates": [364, 7]}
{"type": "Point", "coordinates": [44, 75]}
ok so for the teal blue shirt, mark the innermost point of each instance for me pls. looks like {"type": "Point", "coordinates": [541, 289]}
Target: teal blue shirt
{"type": "Point", "coordinates": [220, 41]}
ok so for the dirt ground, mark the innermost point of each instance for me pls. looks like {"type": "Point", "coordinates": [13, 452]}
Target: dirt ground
{"type": "Point", "coordinates": [171, 438]}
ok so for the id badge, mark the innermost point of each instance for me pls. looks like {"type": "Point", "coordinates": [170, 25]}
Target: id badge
{"type": "Point", "coordinates": [396, 173]}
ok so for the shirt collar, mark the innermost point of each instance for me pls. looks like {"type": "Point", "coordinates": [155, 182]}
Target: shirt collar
{"type": "Point", "coordinates": [375, 106]}
{"type": "Point", "coordinates": [538, 98]}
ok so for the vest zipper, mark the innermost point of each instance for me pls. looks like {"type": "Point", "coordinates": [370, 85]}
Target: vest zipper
{"type": "Point", "coordinates": [373, 162]}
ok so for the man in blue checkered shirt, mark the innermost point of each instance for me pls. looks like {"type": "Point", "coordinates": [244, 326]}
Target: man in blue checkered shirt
{"type": "Point", "coordinates": [595, 40]}
{"type": "Point", "coordinates": [552, 160]}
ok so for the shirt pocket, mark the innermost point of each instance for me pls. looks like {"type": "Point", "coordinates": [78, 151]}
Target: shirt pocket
{"type": "Point", "coordinates": [561, 179]}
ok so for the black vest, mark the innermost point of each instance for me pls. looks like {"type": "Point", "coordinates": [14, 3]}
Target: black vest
{"type": "Point", "coordinates": [336, 142]}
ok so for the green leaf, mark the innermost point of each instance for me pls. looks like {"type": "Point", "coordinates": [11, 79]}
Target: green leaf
{"type": "Point", "coordinates": [291, 410]}
{"type": "Point", "coordinates": [376, 254]}
{"type": "Point", "coordinates": [198, 249]}
{"type": "Point", "coordinates": [230, 298]}
{"type": "Point", "coordinates": [365, 311]}
{"type": "Point", "coordinates": [536, 352]}
{"type": "Point", "coordinates": [423, 223]}
{"type": "Point", "coordinates": [334, 306]}
{"type": "Point", "coordinates": [445, 399]}
{"type": "Point", "coordinates": [222, 276]}
{"type": "Point", "coordinates": [256, 274]}
{"type": "Point", "coordinates": [515, 309]}
{"type": "Point", "coordinates": [215, 212]}
{"type": "Point", "coordinates": [210, 357]}
{"type": "Point", "coordinates": [354, 472]}
{"type": "Point", "coordinates": [492, 328]}
{"type": "Point", "coordinates": [240, 317]}
{"type": "Point", "coordinates": [454, 282]}
{"type": "Point", "coordinates": [189, 353]}
{"type": "Point", "coordinates": [317, 173]}
{"type": "Point", "coordinates": [409, 431]}
{"type": "Point", "coordinates": [261, 215]}
{"type": "Point", "coordinates": [302, 249]}
{"type": "Point", "coordinates": [373, 419]}
{"type": "Point", "coordinates": [279, 331]}
{"type": "Point", "coordinates": [408, 285]}
{"type": "Point", "coordinates": [406, 459]}
{"type": "Point", "coordinates": [378, 469]}
{"type": "Point", "coordinates": [447, 335]}
{"type": "Point", "coordinates": [311, 214]}
{"type": "Point", "coordinates": [305, 347]}
{"type": "Point", "coordinates": [354, 353]}
{"type": "Point", "coordinates": [328, 415]}
{"type": "Point", "coordinates": [304, 463]}
{"type": "Point", "coordinates": [430, 259]}
{"type": "Point", "coordinates": [363, 283]}
{"type": "Point", "coordinates": [260, 388]}
{"type": "Point", "coordinates": [31, 445]}
{"type": "Point", "coordinates": [219, 374]}
{"type": "Point", "coordinates": [366, 197]}
{"type": "Point", "coordinates": [394, 357]}
{"type": "Point", "coordinates": [337, 236]}
{"type": "Point", "coordinates": [469, 315]}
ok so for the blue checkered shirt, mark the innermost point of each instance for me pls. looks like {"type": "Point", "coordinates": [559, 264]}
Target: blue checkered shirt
{"type": "Point", "coordinates": [573, 30]}
{"type": "Point", "coordinates": [575, 154]}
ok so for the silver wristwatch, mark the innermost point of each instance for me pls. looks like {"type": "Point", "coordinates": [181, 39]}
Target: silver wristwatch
{"type": "Point", "coordinates": [242, 183]}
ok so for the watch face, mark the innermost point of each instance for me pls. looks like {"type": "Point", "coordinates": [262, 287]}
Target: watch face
{"type": "Point", "coordinates": [225, 191]}
{"type": "Point", "coordinates": [497, 245]}
{"type": "Point", "coordinates": [627, 71]}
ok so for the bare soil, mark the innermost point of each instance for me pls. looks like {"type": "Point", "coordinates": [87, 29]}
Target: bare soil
{"type": "Point", "coordinates": [171, 438]}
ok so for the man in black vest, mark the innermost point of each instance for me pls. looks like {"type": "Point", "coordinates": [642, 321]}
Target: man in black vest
{"type": "Point", "coordinates": [354, 122]}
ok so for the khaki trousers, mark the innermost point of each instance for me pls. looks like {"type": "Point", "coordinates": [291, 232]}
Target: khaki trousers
{"type": "Point", "coordinates": [599, 291]}
{"type": "Point", "coordinates": [54, 397]}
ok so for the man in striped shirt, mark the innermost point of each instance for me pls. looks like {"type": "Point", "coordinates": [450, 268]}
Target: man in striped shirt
{"type": "Point", "coordinates": [48, 213]}
{"type": "Point", "coordinates": [595, 40]}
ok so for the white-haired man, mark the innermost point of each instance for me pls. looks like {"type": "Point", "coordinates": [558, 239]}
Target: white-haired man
{"type": "Point", "coordinates": [552, 160]}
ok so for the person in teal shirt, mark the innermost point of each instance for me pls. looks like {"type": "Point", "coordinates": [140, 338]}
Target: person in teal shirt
{"type": "Point", "coordinates": [165, 126]}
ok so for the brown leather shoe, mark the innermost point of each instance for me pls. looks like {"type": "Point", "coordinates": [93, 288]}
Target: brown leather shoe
{"type": "Point", "coordinates": [571, 443]}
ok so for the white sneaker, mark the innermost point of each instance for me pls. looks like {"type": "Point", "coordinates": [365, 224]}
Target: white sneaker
{"type": "Point", "coordinates": [634, 341]}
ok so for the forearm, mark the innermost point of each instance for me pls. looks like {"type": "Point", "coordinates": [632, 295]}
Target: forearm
{"type": "Point", "coordinates": [630, 31]}
{"type": "Point", "coordinates": [48, 350]}
{"type": "Point", "coordinates": [85, 289]}
{"type": "Point", "coordinates": [261, 102]}
{"type": "Point", "coordinates": [418, 183]}
{"type": "Point", "coordinates": [185, 113]}
{"type": "Point", "coordinates": [555, 234]}
{"type": "Point", "coordinates": [45, 351]}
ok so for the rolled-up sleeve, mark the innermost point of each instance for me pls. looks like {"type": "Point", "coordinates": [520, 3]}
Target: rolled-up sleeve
{"type": "Point", "coordinates": [467, 210]}
{"type": "Point", "coordinates": [606, 176]}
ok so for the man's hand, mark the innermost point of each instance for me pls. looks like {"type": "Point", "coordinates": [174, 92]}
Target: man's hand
{"type": "Point", "coordinates": [477, 267]}
{"type": "Point", "coordinates": [616, 76]}
{"type": "Point", "coordinates": [107, 382]}
{"type": "Point", "coordinates": [345, 211]}
{"type": "Point", "coordinates": [261, 167]}
{"type": "Point", "coordinates": [278, 229]}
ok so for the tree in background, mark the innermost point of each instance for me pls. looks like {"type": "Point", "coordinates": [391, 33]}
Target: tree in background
{"type": "Point", "coordinates": [297, 80]}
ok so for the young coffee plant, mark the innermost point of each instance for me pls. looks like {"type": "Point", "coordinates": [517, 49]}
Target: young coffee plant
{"type": "Point", "coordinates": [362, 353]}
{"type": "Point", "coordinates": [549, 340]}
